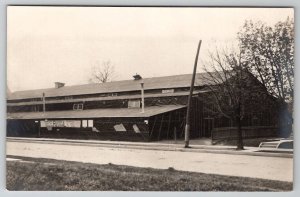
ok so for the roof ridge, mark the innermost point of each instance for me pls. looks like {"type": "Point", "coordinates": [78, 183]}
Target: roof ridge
{"type": "Point", "coordinates": [151, 83]}
{"type": "Point", "coordinates": [90, 84]}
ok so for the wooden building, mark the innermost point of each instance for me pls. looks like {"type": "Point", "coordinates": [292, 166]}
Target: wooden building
{"type": "Point", "coordinates": [114, 111]}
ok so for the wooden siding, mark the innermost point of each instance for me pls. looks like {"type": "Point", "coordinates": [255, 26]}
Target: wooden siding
{"type": "Point", "coordinates": [119, 103]}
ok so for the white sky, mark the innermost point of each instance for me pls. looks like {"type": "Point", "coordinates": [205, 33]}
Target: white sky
{"type": "Point", "coordinates": [48, 44]}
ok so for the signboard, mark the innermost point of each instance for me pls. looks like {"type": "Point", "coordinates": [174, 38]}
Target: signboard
{"type": "Point", "coordinates": [136, 128]}
{"type": "Point", "coordinates": [167, 91]}
{"type": "Point", "coordinates": [134, 104]}
{"type": "Point", "coordinates": [90, 123]}
{"type": "Point", "coordinates": [84, 123]}
{"type": "Point", "coordinates": [60, 123]}
{"type": "Point", "coordinates": [119, 127]}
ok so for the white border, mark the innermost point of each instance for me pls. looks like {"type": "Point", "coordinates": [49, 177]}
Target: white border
{"type": "Point", "coordinates": [204, 3]}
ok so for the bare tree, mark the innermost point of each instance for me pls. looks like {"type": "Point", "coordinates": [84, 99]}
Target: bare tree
{"type": "Point", "coordinates": [269, 51]}
{"type": "Point", "coordinates": [229, 88]}
{"type": "Point", "coordinates": [102, 73]}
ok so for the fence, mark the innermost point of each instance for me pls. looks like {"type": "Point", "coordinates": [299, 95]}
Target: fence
{"type": "Point", "coordinates": [230, 133]}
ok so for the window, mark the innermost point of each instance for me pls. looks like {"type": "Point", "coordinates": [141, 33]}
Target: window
{"type": "Point", "coordinates": [68, 97]}
{"type": "Point", "coordinates": [87, 123]}
{"type": "Point", "coordinates": [35, 108]}
{"type": "Point", "coordinates": [167, 91]}
{"type": "Point", "coordinates": [84, 123]}
{"type": "Point", "coordinates": [90, 123]}
{"type": "Point", "coordinates": [78, 106]}
{"type": "Point", "coordinates": [36, 99]}
{"type": "Point", "coordinates": [134, 104]}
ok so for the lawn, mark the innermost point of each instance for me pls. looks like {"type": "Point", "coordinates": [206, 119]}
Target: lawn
{"type": "Point", "coordinates": [47, 174]}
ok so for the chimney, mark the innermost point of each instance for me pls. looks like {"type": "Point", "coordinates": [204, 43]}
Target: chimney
{"type": "Point", "coordinates": [137, 77]}
{"type": "Point", "coordinates": [59, 84]}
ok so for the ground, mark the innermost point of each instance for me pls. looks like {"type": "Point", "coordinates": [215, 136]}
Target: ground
{"type": "Point", "coordinates": [25, 173]}
{"type": "Point", "coordinates": [272, 168]}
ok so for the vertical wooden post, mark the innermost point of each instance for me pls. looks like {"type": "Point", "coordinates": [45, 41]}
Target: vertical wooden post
{"type": "Point", "coordinates": [161, 123]}
{"type": "Point", "coordinates": [153, 127]}
{"type": "Point", "coordinates": [44, 103]}
{"type": "Point", "coordinates": [175, 135]}
{"type": "Point", "coordinates": [39, 128]}
{"type": "Point", "coordinates": [169, 125]}
{"type": "Point", "coordinates": [44, 110]}
{"type": "Point", "coordinates": [143, 99]}
{"type": "Point", "coordinates": [187, 124]}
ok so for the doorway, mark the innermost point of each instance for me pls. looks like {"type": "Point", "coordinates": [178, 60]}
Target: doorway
{"type": "Point", "coordinates": [208, 126]}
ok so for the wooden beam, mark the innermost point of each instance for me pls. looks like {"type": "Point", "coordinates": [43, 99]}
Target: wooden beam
{"type": "Point", "coordinates": [170, 114]}
{"type": "Point", "coordinates": [153, 127]}
{"type": "Point", "coordinates": [162, 119]}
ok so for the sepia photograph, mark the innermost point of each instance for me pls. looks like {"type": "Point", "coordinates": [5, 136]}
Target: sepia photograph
{"type": "Point", "coordinates": [149, 98]}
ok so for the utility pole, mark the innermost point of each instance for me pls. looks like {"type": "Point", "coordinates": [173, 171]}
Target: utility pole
{"type": "Point", "coordinates": [188, 111]}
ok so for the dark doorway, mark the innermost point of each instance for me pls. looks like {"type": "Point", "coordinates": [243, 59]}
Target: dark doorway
{"type": "Point", "coordinates": [208, 126]}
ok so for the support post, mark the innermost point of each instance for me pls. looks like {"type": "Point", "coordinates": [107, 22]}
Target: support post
{"type": "Point", "coordinates": [44, 110]}
{"type": "Point", "coordinates": [39, 131]}
{"type": "Point", "coordinates": [143, 99]}
{"type": "Point", "coordinates": [44, 103]}
{"type": "Point", "coordinates": [187, 124]}
{"type": "Point", "coordinates": [169, 125]}
{"type": "Point", "coordinates": [175, 135]}
{"type": "Point", "coordinates": [161, 123]}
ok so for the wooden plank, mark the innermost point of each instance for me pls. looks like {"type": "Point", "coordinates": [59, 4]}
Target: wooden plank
{"type": "Point", "coordinates": [170, 115]}
{"type": "Point", "coordinates": [155, 119]}
{"type": "Point", "coordinates": [161, 123]}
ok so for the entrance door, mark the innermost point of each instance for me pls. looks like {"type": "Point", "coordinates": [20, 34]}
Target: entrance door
{"type": "Point", "coordinates": [208, 126]}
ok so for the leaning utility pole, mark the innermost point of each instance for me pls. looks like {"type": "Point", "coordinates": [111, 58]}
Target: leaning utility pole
{"type": "Point", "coordinates": [188, 111]}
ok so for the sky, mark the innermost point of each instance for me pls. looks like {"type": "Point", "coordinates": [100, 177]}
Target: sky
{"type": "Point", "coordinates": [50, 44]}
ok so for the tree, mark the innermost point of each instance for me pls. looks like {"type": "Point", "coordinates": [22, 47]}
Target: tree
{"type": "Point", "coordinates": [230, 88]}
{"type": "Point", "coordinates": [269, 51]}
{"type": "Point", "coordinates": [102, 73]}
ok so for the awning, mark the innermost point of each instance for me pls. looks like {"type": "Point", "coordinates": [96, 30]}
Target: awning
{"type": "Point", "coordinates": [96, 113]}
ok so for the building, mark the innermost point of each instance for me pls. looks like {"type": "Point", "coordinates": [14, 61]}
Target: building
{"type": "Point", "coordinates": [115, 111]}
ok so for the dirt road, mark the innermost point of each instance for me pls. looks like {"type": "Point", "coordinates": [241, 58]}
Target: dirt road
{"type": "Point", "coordinates": [274, 168]}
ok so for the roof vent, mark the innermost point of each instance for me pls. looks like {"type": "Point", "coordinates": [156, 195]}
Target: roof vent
{"type": "Point", "coordinates": [59, 84]}
{"type": "Point", "coordinates": [137, 77]}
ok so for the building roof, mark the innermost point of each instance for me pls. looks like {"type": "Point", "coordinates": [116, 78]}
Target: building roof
{"type": "Point", "coordinates": [175, 81]}
{"type": "Point", "coordinates": [107, 98]}
{"type": "Point", "coordinates": [96, 113]}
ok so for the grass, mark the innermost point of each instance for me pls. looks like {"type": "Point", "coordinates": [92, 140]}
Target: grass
{"type": "Point", "coordinates": [47, 174]}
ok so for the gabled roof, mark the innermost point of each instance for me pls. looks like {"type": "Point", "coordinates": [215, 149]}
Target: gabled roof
{"type": "Point", "coordinates": [175, 81]}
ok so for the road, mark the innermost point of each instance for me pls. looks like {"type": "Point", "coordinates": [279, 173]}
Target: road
{"type": "Point", "coordinates": [273, 168]}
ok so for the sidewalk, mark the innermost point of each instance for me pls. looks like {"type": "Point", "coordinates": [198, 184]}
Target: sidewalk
{"type": "Point", "coordinates": [179, 146]}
